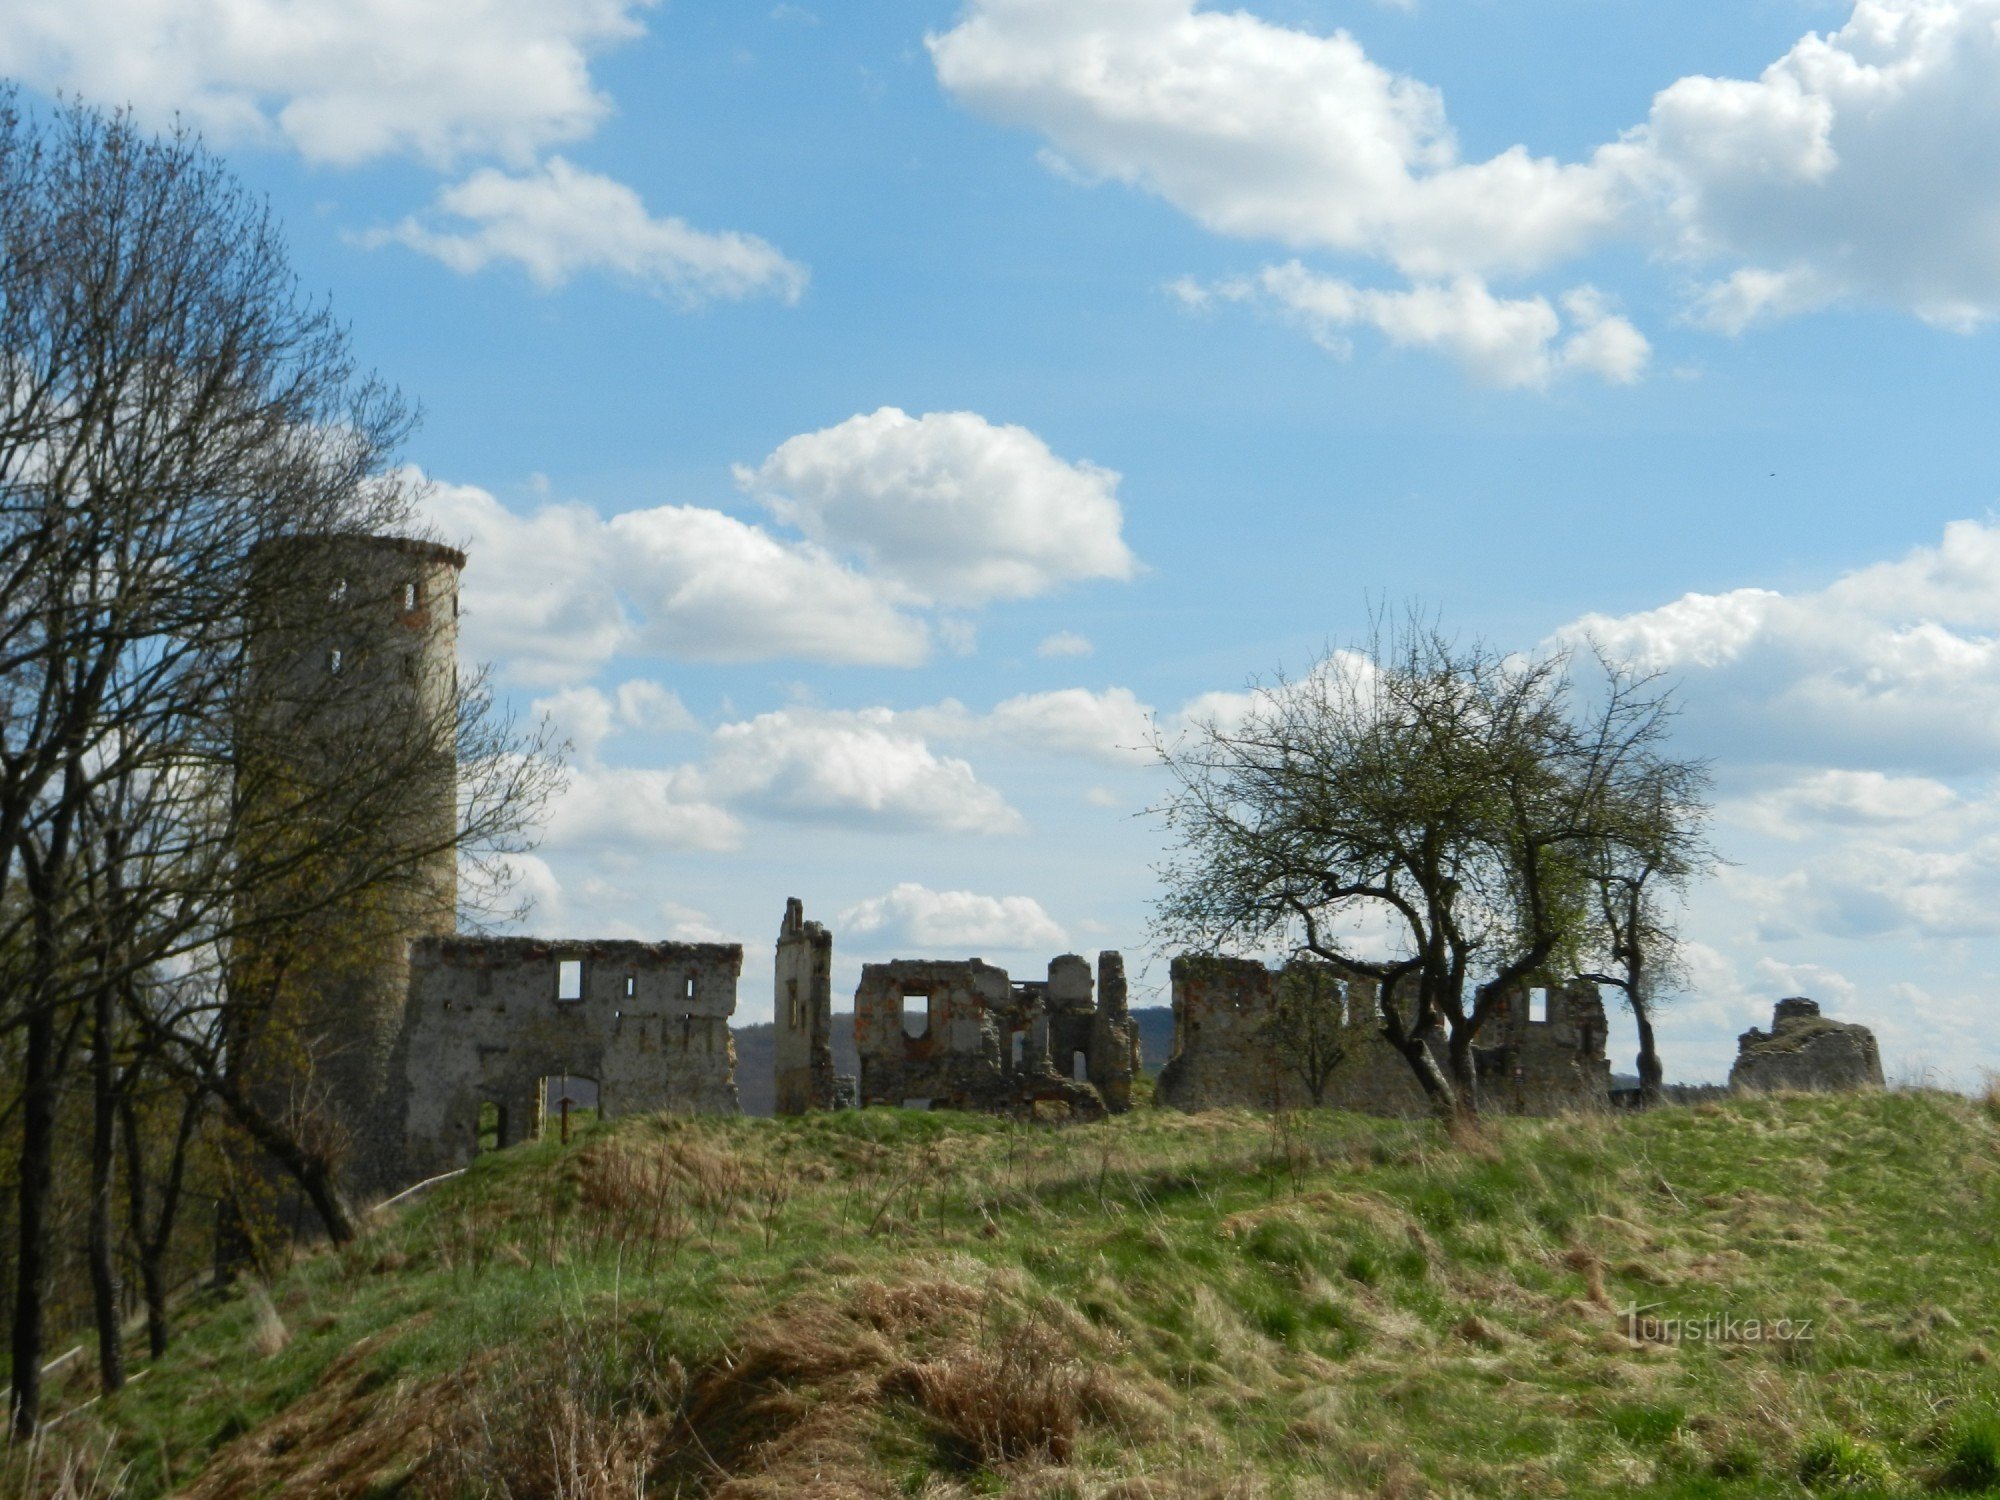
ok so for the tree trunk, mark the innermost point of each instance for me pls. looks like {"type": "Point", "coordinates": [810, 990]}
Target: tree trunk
{"type": "Point", "coordinates": [1430, 1077]}
{"type": "Point", "coordinates": [307, 1168]}
{"type": "Point", "coordinates": [31, 1260]}
{"type": "Point", "coordinates": [151, 1241]}
{"type": "Point", "coordinates": [1464, 1072]}
{"type": "Point", "coordinates": [1652, 1078]}
{"type": "Point", "coordinates": [104, 1289]}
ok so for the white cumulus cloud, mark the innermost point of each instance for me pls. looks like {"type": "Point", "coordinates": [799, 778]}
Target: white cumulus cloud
{"type": "Point", "coordinates": [955, 508]}
{"type": "Point", "coordinates": [588, 717]}
{"type": "Point", "coordinates": [1113, 726]}
{"type": "Point", "coordinates": [341, 81]}
{"type": "Point", "coordinates": [914, 916]}
{"type": "Point", "coordinates": [1853, 728]}
{"type": "Point", "coordinates": [1860, 166]}
{"type": "Point", "coordinates": [1261, 130]}
{"type": "Point", "coordinates": [1895, 666]}
{"type": "Point", "coordinates": [635, 810]}
{"type": "Point", "coordinates": [557, 593]}
{"type": "Point", "coordinates": [559, 220]}
{"type": "Point", "coordinates": [1498, 341]}
{"type": "Point", "coordinates": [856, 767]}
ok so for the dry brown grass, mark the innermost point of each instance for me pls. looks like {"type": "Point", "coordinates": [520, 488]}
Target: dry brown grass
{"type": "Point", "coordinates": [353, 1433]}
{"type": "Point", "coordinates": [1016, 1395]}
{"type": "Point", "coordinates": [268, 1334]}
{"type": "Point", "coordinates": [64, 1463]}
{"type": "Point", "coordinates": [547, 1440]}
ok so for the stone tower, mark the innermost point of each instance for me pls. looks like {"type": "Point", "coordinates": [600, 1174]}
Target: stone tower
{"type": "Point", "coordinates": [349, 753]}
{"type": "Point", "coordinates": [803, 1000]}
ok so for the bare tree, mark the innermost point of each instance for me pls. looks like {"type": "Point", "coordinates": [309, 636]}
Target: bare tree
{"type": "Point", "coordinates": [1638, 877]}
{"type": "Point", "coordinates": [171, 407]}
{"type": "Point", "coordinates": [1307, 1026]}
{"type": "Point", "coordinates": [1449, 799]}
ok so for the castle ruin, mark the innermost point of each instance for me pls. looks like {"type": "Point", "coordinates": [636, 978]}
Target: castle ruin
{"type": "Point", "coordinates": [1805, 1050]}
{"type": "Point", "coordinates": [1542, 1050]}
{"type": "Point", "coordinates": [398, 1035]}
{"type": "Point", "coordinates": [961, 1034]}
{"type": "Point", "coordinates": [417, 1040]}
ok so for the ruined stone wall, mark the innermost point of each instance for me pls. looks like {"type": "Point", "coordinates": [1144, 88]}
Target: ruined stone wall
{"type": "Point", "coordinates": [1226, 1053]}
{"type": "Point", "coordinates": [1537, 1067]}
{"type": "Point", "coordinates": [487, 1021]}
{"type": "Point", "coordinates": [802, 1000]}
{"type": "Point", "coordinates": [952, 1053]}
{"type": "Point", "coordinates": [1806, 1050]}
{"type": "Point", "coordinates": [983, 1041]}
{"type": "Point", "coordinates": [1113, 1048]}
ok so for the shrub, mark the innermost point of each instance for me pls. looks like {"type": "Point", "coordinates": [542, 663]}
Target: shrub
{"type": "Point", "coordinates": [1838, 1461]}
{"type": "Point", "coordinates": [1973, 1460]}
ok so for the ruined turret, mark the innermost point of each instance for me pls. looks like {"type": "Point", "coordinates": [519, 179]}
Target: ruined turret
{"type": "Point", "coordinates": [1806, 1050]}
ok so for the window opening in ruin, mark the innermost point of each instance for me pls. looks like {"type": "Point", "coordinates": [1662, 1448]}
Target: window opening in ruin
{"type": "Point", "coordinates": [631, 985]}
{"type": "Point", "coordinates": [916, 1016]}
{"type": "Point", "coordinates": [792, 1016]}
{"type": "Point", "coordinates": [409, 598]}
{"type": "Point", "coordinates": [569, 1101]}
{"type": "Point", "coordinates": [687, 992]}
{"type": "Point", "coordinates": [339, 591]}
{"type": "Point", "coordinates": [410, 667]}
{"type": "Point", "coordinates": [334, 660]}
{"type": "Point", "coordinates": [1079, 1067]}
{"type": "Point", "coordinates": [1538, 1005]}
{"type": "Point", "coordinates": [569, 979]}
{"type": "Point", "coordinates": [485, 982]}
{"type": "Point", "coordinates": [490, 1134]}
{"type": "Point", "coordinates": [1020, 1049]}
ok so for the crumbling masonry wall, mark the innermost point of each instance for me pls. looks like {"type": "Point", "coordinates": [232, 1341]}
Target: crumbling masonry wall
{"type": "Point", "coordinates": [1226, 1052]}
{"type": "Point", "coordinates": [961, 1034]}
{"type": "Point", "coordinates": [1806, 1050]}
{"type": "Point", "coordinates": [802, 999]}
{"type": "Point", "coordinates": [488, 1019]}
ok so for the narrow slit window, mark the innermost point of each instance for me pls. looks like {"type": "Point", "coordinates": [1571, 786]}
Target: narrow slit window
{"type": "Point", "coordinates": [687, 991]}
{"type": "Point", "coordinates": [631, 985]}
{"type": "Point", "coordinates": [334, 661]}
{"type": "Point", "coordinates": [339, 590]}
{"type": "Point", "coordinates": [569, 979]}
{"type": "Point", "coordinates": [409, 597]}
{"type": "Point", "coordinates": [1538, 1006]}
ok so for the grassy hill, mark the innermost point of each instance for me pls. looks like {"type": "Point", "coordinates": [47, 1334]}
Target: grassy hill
{"type": "Point", "coordinates": [893, 1303]}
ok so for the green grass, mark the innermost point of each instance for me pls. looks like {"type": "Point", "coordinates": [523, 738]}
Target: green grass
{"type": "Point", "coordinates": [1343, 1306]}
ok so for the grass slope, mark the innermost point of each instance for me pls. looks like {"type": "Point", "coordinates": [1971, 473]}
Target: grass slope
{"type": "Point", "coordinates": [887, 1303]}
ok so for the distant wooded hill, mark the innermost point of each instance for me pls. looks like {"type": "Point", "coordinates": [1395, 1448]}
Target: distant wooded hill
{"type": "Point", "coordinates": [755, 1057]}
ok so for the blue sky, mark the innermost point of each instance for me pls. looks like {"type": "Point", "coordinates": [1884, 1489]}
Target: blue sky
{"type": "Point", "coordinates": [863, 417]}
